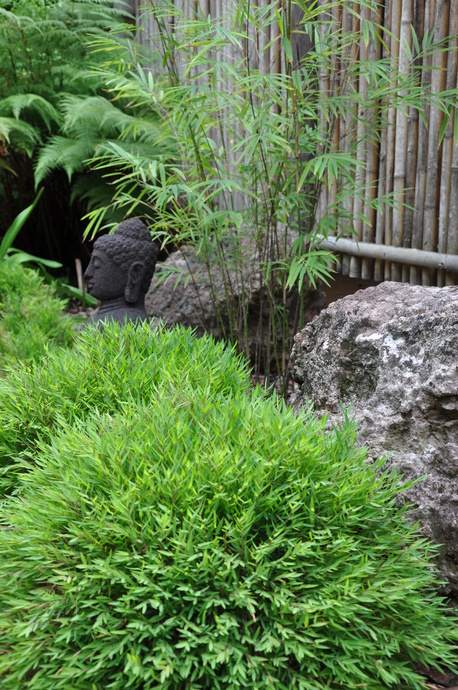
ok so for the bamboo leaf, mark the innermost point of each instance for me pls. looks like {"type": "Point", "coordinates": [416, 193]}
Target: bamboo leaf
{"type": "Point", "coordinates": [287, 48]}
{"type": "Point", "coordinates": [365, 25]}
{"type": "Point", "coordinates": [415, 40]}
{"type": "Point", "coordinates": [444, 125]}
{"type": "Point", "coordinates": [407, 50]}
{"type": "Point", "coordinates": [280, 22]}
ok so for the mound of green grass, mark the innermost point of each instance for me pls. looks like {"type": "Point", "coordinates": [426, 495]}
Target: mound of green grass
{"type": "Point", "coordinates": [211, 542]}
{"type": "Point", "coordinates": [31, 318]}
{"type": "Point", "coordinates": [106, 372]}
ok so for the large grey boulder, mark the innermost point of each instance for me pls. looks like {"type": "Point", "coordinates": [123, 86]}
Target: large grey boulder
{"type": "Point", "coordinates": [390, 353]}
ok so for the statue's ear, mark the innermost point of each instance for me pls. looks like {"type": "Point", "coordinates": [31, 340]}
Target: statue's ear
{"type": "Point", "coordinates": [134, 281]}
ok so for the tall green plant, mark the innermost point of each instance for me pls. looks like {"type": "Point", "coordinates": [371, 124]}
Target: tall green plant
{"type": "Point", "coordinates": [256, 146]}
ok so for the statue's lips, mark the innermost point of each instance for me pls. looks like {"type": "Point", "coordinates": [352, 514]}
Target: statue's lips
{"type": "Point", "coordinates": [89, 285]}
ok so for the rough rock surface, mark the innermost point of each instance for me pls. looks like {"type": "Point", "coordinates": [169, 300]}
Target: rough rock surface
{"type": "Point", "coordinates": [199, 298]}
{"type": "Point", "coordinates": [391, 352]}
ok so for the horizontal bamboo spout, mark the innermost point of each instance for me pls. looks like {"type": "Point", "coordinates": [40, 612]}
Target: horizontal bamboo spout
{"type": "Point", "coordinates": [404, 255]}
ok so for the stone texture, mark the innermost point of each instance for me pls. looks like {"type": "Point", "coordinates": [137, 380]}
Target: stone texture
{"type": "Point", "coordinates": [199, 298]}
{"type": "Point", "coordinates": [391, 352]}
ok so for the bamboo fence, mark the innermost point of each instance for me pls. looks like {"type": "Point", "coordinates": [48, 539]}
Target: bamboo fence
{"type": "Point", "coordinates": [407, 160]}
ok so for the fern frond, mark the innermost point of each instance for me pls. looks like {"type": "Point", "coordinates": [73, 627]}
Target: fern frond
{"type": "Point", "coordinates": [88, 11]}
{"type": "Point", "coordinates": [21, 135]}
{"type": "Point", "coordinates": [18, 103]}
{"type": "Point", "coordinates": [13, 19]}
{"type": "Point", "coordinates": [93, 114]}
{"type": "Point", "coordinates": [62, 152]}
{"type": "Point", "coordinates": [97, 114]}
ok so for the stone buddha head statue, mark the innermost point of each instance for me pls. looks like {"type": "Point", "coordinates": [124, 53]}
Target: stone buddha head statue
{"type": "Point", "coordinates": [120, 272]}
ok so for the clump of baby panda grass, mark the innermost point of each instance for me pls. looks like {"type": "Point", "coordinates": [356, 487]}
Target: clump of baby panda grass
{"type": "Point", "coordinates": [171, 538]}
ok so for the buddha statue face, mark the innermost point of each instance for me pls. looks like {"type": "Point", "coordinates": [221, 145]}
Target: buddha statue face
{"type": "Point", "coordinates": [120, 271]}
{"type": "Point", "coordinates": [105, 280]}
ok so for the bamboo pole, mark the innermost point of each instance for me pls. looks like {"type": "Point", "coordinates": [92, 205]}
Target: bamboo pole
{"type": "Point", "coordinates": [379, 270]}
{"type": "Point", "coordinates": [264, 50]}
{"type": "Point", "coordinates": [422, 153]}
{"type": "Point", "coordinates": [343, 86]}
{"type": "Point", "coordinates": [452, 244]}
{"type": "Point", "coordinates": [372, 162]}
{"type": "Point", "coordinates": [400, 159]}
{"type": "Point", "coordinates": [324, 90]}
{"type": "Point", "coordinates": [438, 77]}
{"type": "Point", "coordinates": [447, 148]}
{"type": "Point", "coordinates": [335, 90]}
{"type": "Point", "coordinates": [355, 263]}
{"type": "Point", "coordinates": [417, 257]}
{"type": "Point", "coordinates": [345, 133]}
{"type": "Point", "coordinates": [345, 264]}
{"type": "Point", "coordinates": [189, 14]}
{"type": "Point", "coordinates": [147, 34]}
{"type": "Point", "coordinates": [219, 131]}
{"type": "Point", "coordinates": [336, 12]}
{"type": "Point", "coordinates": [412, 150]}
{"type": "Point", "coordinates": [379, 267]}
{"type": "Point", "coordinates": [361, 135]}
{"type": "Point", "coordinates": [235, 131]}
{"type": "Point", "coordinates": [206, 8]}
{"type": "Point", "coordinates": [452, 235]}
{"type": "Point", "coordinates": [395, 28]}
{"type": "Point", "coordinates": [222, 84]}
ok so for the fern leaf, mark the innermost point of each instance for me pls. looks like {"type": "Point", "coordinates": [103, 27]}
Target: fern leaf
{"type": "Point", "coordinates": [18, 103]}
{"type": "Point", "coordinates": [62, 152]}
{"type": "Point", "coordinates": [21, 135]}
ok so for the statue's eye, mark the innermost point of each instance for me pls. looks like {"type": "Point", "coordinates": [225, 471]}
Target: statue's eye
{"type": "Point", "coordinates": [96, 263]}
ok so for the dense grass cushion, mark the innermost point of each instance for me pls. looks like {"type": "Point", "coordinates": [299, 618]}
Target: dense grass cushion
{"type": "Point", "coordinates": [187, 540]}
{"type": "Point", "coordinates": [31, 318]}
{"type": "Point", "coordinates": [106, 371]}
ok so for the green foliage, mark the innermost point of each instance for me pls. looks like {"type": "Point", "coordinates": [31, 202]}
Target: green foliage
{"type": "Point", "coordinates": [31, 319]}
{"type": "Point", "coordinates": [88, 120]}
{"type": "Point", "coordinates": [17, 256]}
{"type": "Point", "coordinates": [105, 372]}
{"type": "Point", "coordinates": [53, 107]}
{"type": "Point", "coordinates": [41, 42]}
{"type": "Point", "coordinates": [90, 125]}
{"type": "Point", "coordinates": [183, 539]}
{"type": "Point", "coordinates": [43, 54]}
{"type": "Point", "coordinates": [15, 228]}
{"type": "Point", "coordinates": [256, 144]}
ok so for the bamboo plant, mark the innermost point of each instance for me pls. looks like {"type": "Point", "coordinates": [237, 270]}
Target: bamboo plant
{"type": "Point", "coordinates": [253, 97]}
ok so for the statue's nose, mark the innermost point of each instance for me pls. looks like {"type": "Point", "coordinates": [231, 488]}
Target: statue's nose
{"type": "Point", "coordinates": [88, 272]}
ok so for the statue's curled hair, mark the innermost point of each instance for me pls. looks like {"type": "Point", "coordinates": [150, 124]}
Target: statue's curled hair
{"type": "Point", "coordinates": [131, 241]}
